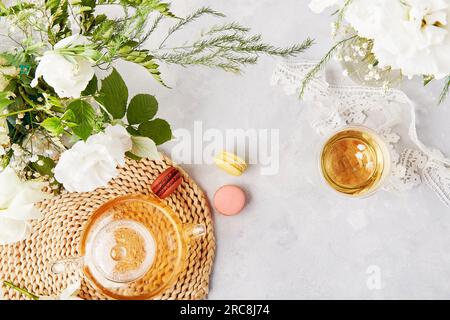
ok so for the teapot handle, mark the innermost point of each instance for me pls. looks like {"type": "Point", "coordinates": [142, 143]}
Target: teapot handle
{"type": "Point", "coordinates": [67, 265]}
{"type": "Point", "coordinates": [194, 231]}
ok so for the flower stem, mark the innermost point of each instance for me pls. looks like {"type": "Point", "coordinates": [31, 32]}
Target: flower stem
{"type": "Point", "coordinates": [319, 66]}
{"type": "Point", "coordinates": [20, 290]}
{"type": "Point", "coordinates": [15, 112]}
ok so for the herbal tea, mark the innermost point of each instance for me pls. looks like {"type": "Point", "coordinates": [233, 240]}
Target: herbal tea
{"type": "Point", "coordinates": [354, 161]}
{"type": "Point", "coordinates": [133, 247]}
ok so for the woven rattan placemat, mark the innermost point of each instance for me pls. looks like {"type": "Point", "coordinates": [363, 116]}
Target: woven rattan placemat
{"type": "Point", "coordinates": [56, 235]}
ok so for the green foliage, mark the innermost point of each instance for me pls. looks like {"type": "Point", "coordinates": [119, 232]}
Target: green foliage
{"type": "Point", "coordinates": [53, 125]}
{"type": "Point", "coordinates": [427, 79]}
{"type": "Point", "coordinates": [141, 57]}
{"type": "Point", "coordinates": [37, 110]}
{"type": "Point", "coordinates": [14, 9]}
{"type": "Point", "coordinates": [5, 100]}
{"type": "Point", "coordinates": [142, 107]}
{"type": "Point", "coordinates": [227, 46]}
{"type": "Point", "coordinates": [341, 14]}
{"type": "Point", "coordinates": [322, 63]}
{"type": "Point", "coordinates": [83, 117]}
{"type": "Point", "coordinates": [445, 90]}
{"type": "Point", "coordinates": [113, 95]}
{"type": "Point", "coordinates": [58, 20]}
{"type": "Point", "coordinates": [158, 130]}
{"type": "Point", "coordinates": [91, 88]}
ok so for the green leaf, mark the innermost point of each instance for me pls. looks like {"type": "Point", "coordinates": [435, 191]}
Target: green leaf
{"type": "Point", "coordinates": [46, 168]}
{"type": "Point", "coordinates": [145, 148]}
{"type": "Point", "coordinates": [132, 131]}
{"type": "Point", "coordinates": [142, 107]}
{"type": "Point", "coordinates": [162, 7]}
{"type": "Point", "coordinates": [427, 79]}
{"type": "Point", "coordinates": [114, 95]}
{"type": "Point", "coordinates": [58, 20]}
{"type": "Point", "coordinates": [91, 88]}
{"type": "Point", "coordinates": [445, 90]}
{"type": "Point", "coordinates": [130, 52]}
{"type": "Point", "coordinates": [132, 156]}
{"type": "Point", "coordinates": [5, 100]}
{"type": "Point", "coordinates": [104, 30]}
{"type": "Point", "coordinates": [15, 9]}
{"type": "Point", "coordinates": [84, 118]}
{"type": "Point", "coordinates": [158, 130]}
{"type": "Point", "coordinates": [53, 125]}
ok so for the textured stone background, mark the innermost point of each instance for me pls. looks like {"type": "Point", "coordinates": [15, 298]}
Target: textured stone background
{"type": "Point", "coordinates": [296, 239]}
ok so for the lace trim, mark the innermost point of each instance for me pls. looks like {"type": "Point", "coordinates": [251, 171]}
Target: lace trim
{"type": "Point", "coordinates": [385, 111]}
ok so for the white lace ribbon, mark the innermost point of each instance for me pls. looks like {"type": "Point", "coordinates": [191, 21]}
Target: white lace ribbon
{"type": "Point", "coordinates": [389, 112]}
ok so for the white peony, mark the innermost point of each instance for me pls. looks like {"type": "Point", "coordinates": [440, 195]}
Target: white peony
{"type": "Point", "coordinates": [411, 35]}
{"type": "Point", "coordinates": [116, 139]}
{"type": "Point", "coordinates": [17, 206]}
{"type": "Point", "coordinates": [92, 164]}
{"type": "Point", "coordinates": [68, 78]}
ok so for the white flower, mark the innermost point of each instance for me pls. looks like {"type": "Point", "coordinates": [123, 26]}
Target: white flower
{"type": "Point", "coordinates": [68, 78]}
{"type": "Point", "coordinates": [318, 6]}
{"type": "Point", "coordinates": [116, 139]}
{"type": "Point", "coordinates": [92, 164]}
{"type": "Point", "coordinates": [411, 35]}
{"type": "Point", "coordinates": [17, 200]}
{"type": "Point", "coordinates": [70, 293]}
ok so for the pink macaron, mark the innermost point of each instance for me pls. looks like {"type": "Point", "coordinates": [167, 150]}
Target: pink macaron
{"type": "Point", "coordinates": [229, 200]}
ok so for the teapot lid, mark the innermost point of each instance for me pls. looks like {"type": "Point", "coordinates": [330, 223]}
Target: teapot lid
{"type": "Point", "coordinates": [120, 250]}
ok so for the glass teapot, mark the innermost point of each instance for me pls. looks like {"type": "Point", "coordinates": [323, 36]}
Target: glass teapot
{"type": "Point", "coordinates": [132, 247]}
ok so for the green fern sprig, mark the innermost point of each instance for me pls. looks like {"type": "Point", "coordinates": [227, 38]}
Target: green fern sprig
{"type": "Point", "coordinates": [233, 26]}
{"type": "Point", "coordinates": [227, 46]}
{"type": "Point", "coordinates": [189, 19]}
{"type": "Point", "coordinates": [445, 90]}
{"type": "Point", "coordinates": [341, 14]}
{"type": "Point", "coordinates": [322, 63]}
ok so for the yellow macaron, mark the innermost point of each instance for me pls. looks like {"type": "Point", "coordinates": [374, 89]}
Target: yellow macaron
{"type": "Point", "coordinates": [230, 163]}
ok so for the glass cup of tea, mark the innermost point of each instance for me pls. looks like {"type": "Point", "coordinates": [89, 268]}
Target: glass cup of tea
{"type": "Point", "coordinates": [355, 161]}
{"type": "Point", "coordinates": [132, 247]}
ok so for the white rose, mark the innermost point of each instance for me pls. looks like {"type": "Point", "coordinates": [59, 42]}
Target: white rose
{"type": "Point", "coordinates": [413, 35]}
{"type": "Point", "coordinates": [116, 139]}
{"type": "Point", "coordinates": [92, 164]}
{"type": "Point", "coordinates": [68, 78]}
{"type": "Point", "coordinates": [17, 200]}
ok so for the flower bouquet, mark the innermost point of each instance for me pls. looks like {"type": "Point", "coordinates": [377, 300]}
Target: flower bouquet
{"type": "Point", "coordinates": [61, 127]}
{"type": "Point", "coordinates": [381, 41]}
